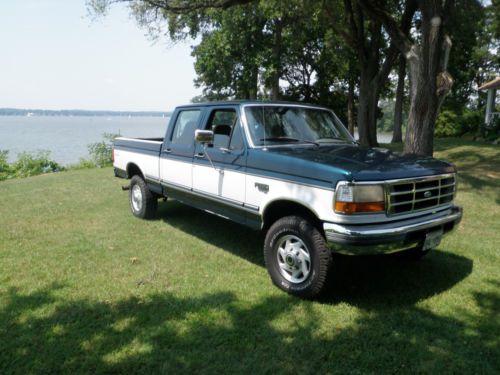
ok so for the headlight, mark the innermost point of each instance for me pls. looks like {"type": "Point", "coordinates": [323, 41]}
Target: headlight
{"type": "Point", "coordinates": [351, 198]}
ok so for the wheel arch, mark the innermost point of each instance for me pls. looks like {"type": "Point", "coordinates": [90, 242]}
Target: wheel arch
{"type": "Point", "coordinates": [279, 208]}
{"type": "Point", "coordinates": [133, 170]}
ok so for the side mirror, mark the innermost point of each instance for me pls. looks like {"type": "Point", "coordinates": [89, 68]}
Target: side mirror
{"type": "Point", "coordinates": [204, 136]}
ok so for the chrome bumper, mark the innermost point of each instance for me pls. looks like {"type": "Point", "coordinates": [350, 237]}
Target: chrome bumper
{"type": "Point", "coordinates": [389, 237]}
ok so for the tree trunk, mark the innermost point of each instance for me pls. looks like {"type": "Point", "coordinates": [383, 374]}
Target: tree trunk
{"type": "Point", "coordinates": [374, 97]}
{"type": "Point", "coordinates": [253, 82]}
{"type": "Point", "coordinates": [367, 107]}
{"type": "Point", "coordinates": [350, 107]}
{"type": "Point", "coordinates": [429, 80]}
{"type": "Point", "coordinates": [397, 136]}
{"type": "Point", "coordinates": [275, 84]}
{"type": "Point", "coordinates": [427, 61]}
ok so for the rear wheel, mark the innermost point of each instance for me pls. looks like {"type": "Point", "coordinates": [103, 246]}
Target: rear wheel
{"type": "Point", "coordinates": [143, 203]}
{"type": "Point", "coordinates": [297, 256]}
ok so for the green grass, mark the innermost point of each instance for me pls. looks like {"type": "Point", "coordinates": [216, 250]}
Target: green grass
{"type": "Point", "coordinates": [87, 288]}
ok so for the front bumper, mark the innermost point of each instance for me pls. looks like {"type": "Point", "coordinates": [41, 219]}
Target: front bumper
{"type": "Point", "coordinates": [389, 237]}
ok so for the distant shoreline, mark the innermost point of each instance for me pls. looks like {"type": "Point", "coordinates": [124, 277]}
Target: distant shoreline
{"type": "Point", "coordinates": [79, 112]}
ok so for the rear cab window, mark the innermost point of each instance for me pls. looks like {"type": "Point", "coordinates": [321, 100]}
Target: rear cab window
{"type": "Point", "coordinates": [185, 126]}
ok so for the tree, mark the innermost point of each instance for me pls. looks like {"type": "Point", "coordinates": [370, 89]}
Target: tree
{"type": "Point", "coordinates": [397, 136]}
{"type": "Point", "coordinates": [427, 60]}
{"type": "Point", "coordinates": [366, 40]}
{"type": "Point", "coordinates": [229, 55]}
{"type": "Point", "coordinates": [495, 17]}
{"type": "Point", "coordinates": [375, 55]}
{"type": "Point", "coordinates": [314, 61]}
{"type": "Point", "coordinates": [486, 56]}
{"type": "Point", "coordinates": [466, 24]}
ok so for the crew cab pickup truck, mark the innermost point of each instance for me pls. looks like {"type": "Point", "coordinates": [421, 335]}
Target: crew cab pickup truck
{"type": "Point", "coordinates": [295, 172]}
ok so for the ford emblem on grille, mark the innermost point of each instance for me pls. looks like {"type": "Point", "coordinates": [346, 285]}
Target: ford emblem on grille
{"type": "Point", "coordinates": [428, 194]}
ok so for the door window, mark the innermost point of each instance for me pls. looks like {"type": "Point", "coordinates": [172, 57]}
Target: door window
{"type": "Point", "coordinates": [222, 122]}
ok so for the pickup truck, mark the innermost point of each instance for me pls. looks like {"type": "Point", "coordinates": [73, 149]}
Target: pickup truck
{"type": "Point", "coordinates": [296, 173]}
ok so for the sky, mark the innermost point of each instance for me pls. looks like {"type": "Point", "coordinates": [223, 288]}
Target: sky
{"type": "Point", "coordinates": [54, 56]}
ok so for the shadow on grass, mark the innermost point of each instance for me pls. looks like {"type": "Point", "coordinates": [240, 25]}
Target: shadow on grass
{"type": "Point", "coordinates": [446, 144]}
{"type": "Point", "coordinates": [45, 332]}
{"type": "Point", "coordinates": [369, 282]}
{"type": "Point", "coordinates": [477, 169]}
{"type": "Point", "coordinates": [383, 282]}
{"type": "Point", "coordinates": [216, 333]}
{"type": "Point", "coordinates": [227, 235]}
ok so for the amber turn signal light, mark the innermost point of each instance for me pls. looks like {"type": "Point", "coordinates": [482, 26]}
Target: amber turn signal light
{"type": "Point", "coordinates": [358, 207]}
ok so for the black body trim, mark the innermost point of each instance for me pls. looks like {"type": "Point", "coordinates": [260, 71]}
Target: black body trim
{"type": "Point", "coordinates": [215, 205]}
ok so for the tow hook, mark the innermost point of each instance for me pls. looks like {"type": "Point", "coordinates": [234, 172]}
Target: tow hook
{"type": "Point", "coordinates": [125, 187]}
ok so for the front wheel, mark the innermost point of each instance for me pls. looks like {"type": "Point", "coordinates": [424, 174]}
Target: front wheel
{"type": "Point", "coordinates": [297, 256]}
{"type": "Point", "coordinates": [142, 202]}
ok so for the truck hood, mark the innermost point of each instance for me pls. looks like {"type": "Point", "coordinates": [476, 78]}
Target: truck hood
{"type": "Point", "coordinates": [355, 163]}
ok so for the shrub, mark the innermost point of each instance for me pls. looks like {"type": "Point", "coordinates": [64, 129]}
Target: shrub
{"type": "Point", "coordinates": [471, 121]}
{"type": "Point", "coordinates": [83, 164]}
{"type": "Point", "coordinates": [28, 164]}
{"type": "Point", "coordinates": [447, 125]}
{"type": "Point", "coordinates": [4, 165]}
{"type": "Point", "coordinates": [101, 153]}
{"type": "Point", "coordinates": [452, 124]}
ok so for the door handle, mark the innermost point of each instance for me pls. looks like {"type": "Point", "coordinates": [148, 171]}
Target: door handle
{"type": "Point", "coordinates": [167, 150]}
{"type": "Point", "coordinates": [199, 155]}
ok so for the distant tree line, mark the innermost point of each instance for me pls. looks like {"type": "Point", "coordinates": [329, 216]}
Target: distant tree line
{"type": "Point", "coordinates": [77, 112]}
{"type": "Point", "coordinates": [350, 55]}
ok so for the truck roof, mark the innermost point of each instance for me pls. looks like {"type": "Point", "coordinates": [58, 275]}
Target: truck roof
{"type": "Point", "coordinates": [244, 102]}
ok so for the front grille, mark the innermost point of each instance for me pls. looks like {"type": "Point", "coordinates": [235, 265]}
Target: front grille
{"type": "Point", "coordinates": [412, 195]}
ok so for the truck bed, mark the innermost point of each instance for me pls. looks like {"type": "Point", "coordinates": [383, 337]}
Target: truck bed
{"type": "Point", "coordinates": [150, 145]}
{"type": "Point", "coordinates": [142, 152]}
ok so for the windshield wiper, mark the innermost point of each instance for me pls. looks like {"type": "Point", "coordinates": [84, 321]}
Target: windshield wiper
{"type": "Point", "coordinates": [287, 139]}
{"type": "Point", "coordinates": [331, 139]}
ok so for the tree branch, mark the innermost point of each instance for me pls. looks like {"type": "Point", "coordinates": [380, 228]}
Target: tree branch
{"type": "Point", "coordinates": [348, 37]}
{"type": "Point", "coordinates": [356, 25]}
{"type": "Point", "coordinates": [398, 33]}
{"type": "Point", "coordinates": [184, 6]}
{"type": "Point", "coordinates": [392, 53]}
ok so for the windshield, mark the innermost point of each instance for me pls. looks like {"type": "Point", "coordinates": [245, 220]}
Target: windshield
{"type": "Point", "coordinates": [270, 125]}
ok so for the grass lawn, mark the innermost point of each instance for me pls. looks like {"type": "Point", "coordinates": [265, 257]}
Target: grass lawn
{"type": "Point", "coordinates": [87, 288]}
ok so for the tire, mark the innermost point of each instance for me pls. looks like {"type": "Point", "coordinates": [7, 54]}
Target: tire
{"type": "Point", "coordinates": [143, 203]}
{"type": "Point", "coordinates": [297, 256]}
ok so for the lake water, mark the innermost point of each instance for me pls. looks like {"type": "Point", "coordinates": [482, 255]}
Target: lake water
{"type": "Point", "coordinates": [67, 138]}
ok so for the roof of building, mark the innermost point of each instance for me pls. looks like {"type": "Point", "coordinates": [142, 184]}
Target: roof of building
{"type": "Point", "coordinates": [493, 84]}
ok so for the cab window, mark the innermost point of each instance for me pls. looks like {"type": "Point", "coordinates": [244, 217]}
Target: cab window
{"type": "Point", "coordinates": [222, 122]}
{"type": "Point", "coordinates": [185, 125]}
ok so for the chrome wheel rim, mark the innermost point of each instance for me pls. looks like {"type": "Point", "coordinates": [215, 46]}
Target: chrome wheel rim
{"type": "Point", "coordinates": [294, 259]}
{"type": "Point", "coordinates": [136, 198]}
